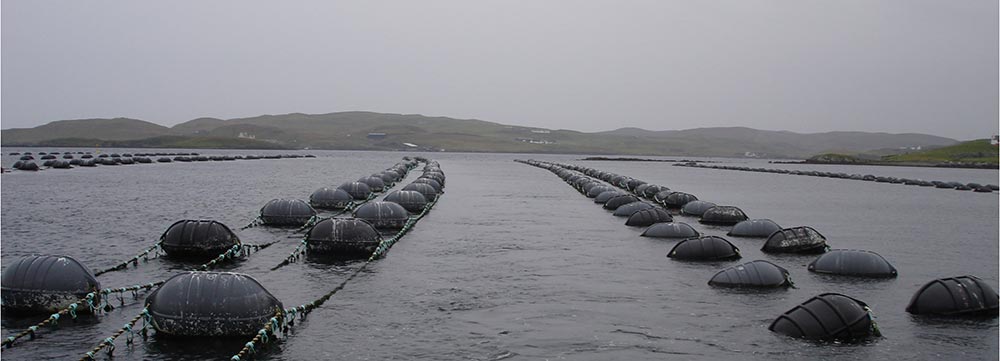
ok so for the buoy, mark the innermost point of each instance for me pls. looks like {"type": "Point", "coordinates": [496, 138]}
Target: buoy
{"type": "Point", "coordinates": [374, 183]}
{"type": "Point", "coordinates": [596, 191]}
{"type": "Point", "coordinates": [431, 182]}
{"type": "Point", "coordinates": [45, 284]}
{"type": "Point", "coordinates": [615, 202]}
{"type": "Point", "coordinates": [429, 193]}
{"type": "Point", "coordinates": [795, 240]}
{"type": "Point", "coordinates": [707, 248]}
{"type": "Point", "coordinates": [211, 304]}
{"type": "Point", "coordinates": [358, 190]}
{"type": "Point", "coordinates": [828, 317]}
{"type": "Point", "coordinates": [851, 262]}
{"type": "Point", "coordinates": [329, 198]}
{"type": "Point", "coordinates": [286, 213]}
{"type": "Point", "coordinates": [647, 217]}
{"type": "Point", "coordinates": [29, 166]}
{"type": "Point", "coordinates": [753, 274]}
{"type": "Point", "coordinates": [629, 209]}
{"type": "Point", "coordinates": [955, 296]}
{"type": "Point", "coordinates": [696, 207]}
{"type": "Point", "coordinates": [754, 228]}
{"type": "Point", "coordinates": [651, 191]}
{"type": "Point", "coordinates": [678, 199]}
{"type": "Point", "coordinates": [343, 238]}
{"type": "Point", "coordinates": [383, 214]}
{"type": "Point", "coordinates": [606, 195]}
{"type": "Point", "coordinates": [724, 215]}
{"type": "Point", "coordinates": [670, 230]}
{"type": "Point", "coordinates": [412, 201]}
{"type": "Point", "coordinates": [197, 239]}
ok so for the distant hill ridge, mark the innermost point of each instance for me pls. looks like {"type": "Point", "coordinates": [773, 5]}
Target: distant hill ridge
{"type": "Point", "coordinates": [350, 130]}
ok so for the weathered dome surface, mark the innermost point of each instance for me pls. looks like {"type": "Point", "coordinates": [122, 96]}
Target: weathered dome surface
{"type": "Point", "coordinates": [827, 317]}
{"type": "Point", "coordinates": [955, 296]}
{"type": "Point", "coordinates": [197, 238]}
{"type": "Point", "coordinates": [607, 195]}
{"type": "Point", "coordinates": [651, 191]}
{"type": "Point", "coordinates": [29, 166]}
{"type": "Point", "coordinates": [696, 207]}
{"type": "Point", "coordinates": [389, 177]}
{"type": "Point", "coordinates": [753, 274]}
{"type": "Point", "coordinates": [707, 248]}
{"type": "Point", "coordinates": [431, 182]}
{"type": "Point", "coordinates": [662, 196]}
{"type": "Point", "coordinates": [647, 217]}
{"type": "Point", "coordinates": [678, 199]}
{"type": "Point", "coordinates": [375, 184]}
{"type": "Point", "coordinates": [211, 304]}
{"type": "Point", "coordinates": [641, 189]}
{"type": "Point", "coordinates": [629, 209]}
{"type": "Point", "coordinates": [412, 201]}
{"type": "Point", "coordinates": [595, 191]}
{"type": "Point", "coordinates": [357, 190]}
{"type": "Point", "coordinates": [615, 202]}
{"type": "Point", "coordinates": [343, 237]}
{"type": "Point", "coordinates": [383, 214]}
{"type": "Point", "coordinates": [754, 228]}
{"type": "Point", "coordinates": [851, 262]}
{"type": "Point", "coordinates": [632, 183]}
{"type": "Point", "coordinates": [329, 198]}
{"type": "Point", "coordinates": [670, 230]}
{"type": "Point", "coordinates": [286, 213]}
{"type": "Point", "coordinates": [725, 215]}
{"type": "Point", "coordinates": [42, 284]}
{"type": "Point", "coordinates": [795, 240]}
{"type": "Point", "coordinates": [429, 193]}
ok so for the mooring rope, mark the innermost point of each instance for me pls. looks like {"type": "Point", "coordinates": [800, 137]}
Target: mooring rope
{"type": "Point", "coordinates": [110, 341]}
{"type": "Point", "coordinates": [134, 260]}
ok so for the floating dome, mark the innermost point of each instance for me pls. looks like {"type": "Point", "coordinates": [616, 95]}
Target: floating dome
{"type": "Point", "coordinates": [45, 157]}
{"type": "Point", "coordinates": [662, 196]}
{"type": "Point", "coordinates": [26, 157]}
{"type": "Point", "coordinates": [678, 199]}
{"type": "Point", "coordinates": [88, 163]}
{"type": "Point", "coordinates": [383, 214]}
{"type": "Point", "coordinates": [696, 207]}
{"type": "Point", "coordinates": [647, 217]}
{"type": "Point", "coordinates": [164, 160]}
{"type": "Point", "coordinates": [670, 230]}
{"type": "Point", "coordinates": [429, 193]}
{"type": "Point", "coordinates": [970, 185]}
{"type": "Point", "coordinates": [329, 198]}
{"type": "Point", "coordinates": [115, 155]}
{"type": "Point", "coordinates": [286, 213]}
{"type": "Point", "coordinates": [606, 195]}
{"type": "Point", "coordinates": [639, 190]}
{"type": "Point", "coordinates": [45, 284]}
{"type": "Point", "coordinates": [357, 190]}
{"type": "Point", "coordinates": [17, 164]}
{"type": "Point", "coordinates": [431, 182]}
{"type": "Point", "coordinates": [993, 187]}
{"type": "Point", "coordinates": [346, 238]}
{"type": "Point", "coordinates": [795, 240]}
{"type": "Point", "coordinates": [629, 209]}
{"type": "Point", "coordinates": [67, 156]}
{"type": "Point", "coordinates": [374, 183]}
{"type": "Point", "coordinates": [982, 189]}
{"type": "Point", "coordinates": [954, 296]}
{"type": "Point", "coordinates": [105, 155]}
{"type": "Point", "coordinates": [631, 184]}
{"type": "Point", "coordinates": [31, 166]}
{"type": "Point", "coordinates": [197, 239]}
{"type": "Point", "coordinates": [651, 191]}
{"type": "Point", "coordinates": [596, 191]}
{"type": "Point", "coordinates": [754, 228]}
{"type": "Point", "coordinates": [707, 248]}
{"type": "Point", "coordinates": [48, 163]}
{"type": "Point", "coordinates": [850, 262]}
{"type": "Point", "coordinates": [615, 202]}
{"type": "Point", "coordinates": [827, 317]}
{"type": "Point", "coordinates": [586, 187]}
{"type": "Point", "coordinates": [211, 304]}
{"type": "Point", "coordinates": [61, 164]}
{"type": "Point", "coordinates": [74, 162]}
{"type": "Point", "coordinates": [753, 274]}
{"type": "Point", "coordinates": [725, 215]}
{"type": "Point", "coordinates": [412, 201]}
{"type": "Point", "coordinates": [144, 160]}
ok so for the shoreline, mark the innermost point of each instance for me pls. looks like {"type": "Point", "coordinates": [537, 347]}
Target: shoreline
{"type": "Point", "coordinates": [898, 164]}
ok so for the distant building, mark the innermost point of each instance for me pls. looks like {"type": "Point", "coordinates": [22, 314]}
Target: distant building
{"type": "Point", "coordinates": [540, 131]}
{"type": "Point", "coordinates": [376, 135]}
{"type": "Point", "coordinates": [246, 135]}
{"type": "Point", "coordinates": [995, 140]}
{"type": "Point", "coordinates": [411, 145]}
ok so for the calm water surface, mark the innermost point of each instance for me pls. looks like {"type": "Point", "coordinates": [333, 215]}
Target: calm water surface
{"type": "Point", "coordinates": [513, 263]}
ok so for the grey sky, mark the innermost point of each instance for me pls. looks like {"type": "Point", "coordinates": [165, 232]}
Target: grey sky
{"type": "Point", "coordinates": [800, 65]}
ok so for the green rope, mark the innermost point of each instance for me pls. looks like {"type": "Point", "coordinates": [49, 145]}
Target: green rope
{"type": "Point", "coordinates": [109, 342]}
{"type": "Point", "coordinates": [134, 260]}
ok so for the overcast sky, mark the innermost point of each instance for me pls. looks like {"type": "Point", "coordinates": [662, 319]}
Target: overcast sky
{"type": "Point", "coordinates": [807, 66]}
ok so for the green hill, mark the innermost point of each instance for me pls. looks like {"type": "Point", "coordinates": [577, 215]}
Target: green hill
{"type": "Point", "coordinates": [975, 151]}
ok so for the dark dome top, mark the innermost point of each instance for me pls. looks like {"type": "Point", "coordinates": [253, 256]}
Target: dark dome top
{"type": "Point", "coordinates": [653, 190]}
{"type": "Point", "coordinates": [212, 296]}
{"type": "Point", "coordinates": [431, 182]}
{"type": "Point", "coordinates": [388, 177]}
{"type": "Point", "coordinates": [603, 197]}
{"type": "Point", "coordinates": [640, 189]}
{"type": "Point", "coordinates": [851, 262]}
{"type": "Point", "coordinates": [965, 295]}
{"type": "Point", "coordinates": [615, 202]}
{"type": "Point", "coordinates": [631, 184]}
{"type": "Point", "coordinates": [49, 273]}
{"type": "Point", "coordinates": [199, 234]}
{"type": "Point", "coordinates": [723, 215]}
{"type": "Point", "coordinates": [330, 198]}
{"type": "Point", "coordinates": [670, 230]}
{"type": "Point", "coordinates": [696, 207]}
{"type": "Point", "coordinates": [424, 189]}
{"type": "Point", "coordinates": [755, 228]}
{"type": "Point", "coordinates": [757, 274]}
{"type": "Point", "coordinates": [374, 183]}
{"type": "Point", "coordinates": [678, 199]}
{"type": "Point", "coordinates": [595, 191]}
{"type": "Point", "coordinates": [646, 217]}
{"type": "Point", "coordinates": [349, 230]}
{"type": "Point", "coordinates": [796, 240]}
{"type": "Point", "coordinates": [357, 190]}
{"type": "Point", "coordinates": [829, 316]}
{"type": "Point", "coordinates": [707, 248]}
{"type": "Point", "coordinates": [629, 209]}
{"type": "Point", "coordinates": [287, 208]}
{"type": "Point", "coordinates": [381, 211]}
{"type": "Point", "coordinates": [413, 201]}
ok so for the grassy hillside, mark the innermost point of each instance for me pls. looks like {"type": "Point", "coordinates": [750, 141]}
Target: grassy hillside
{"type": "Point", "coordinates": [107, 129]}
{"type": "Point", "coordinates": [975, 151]}
{"type": "Point", "coordinates": [166, 141]}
